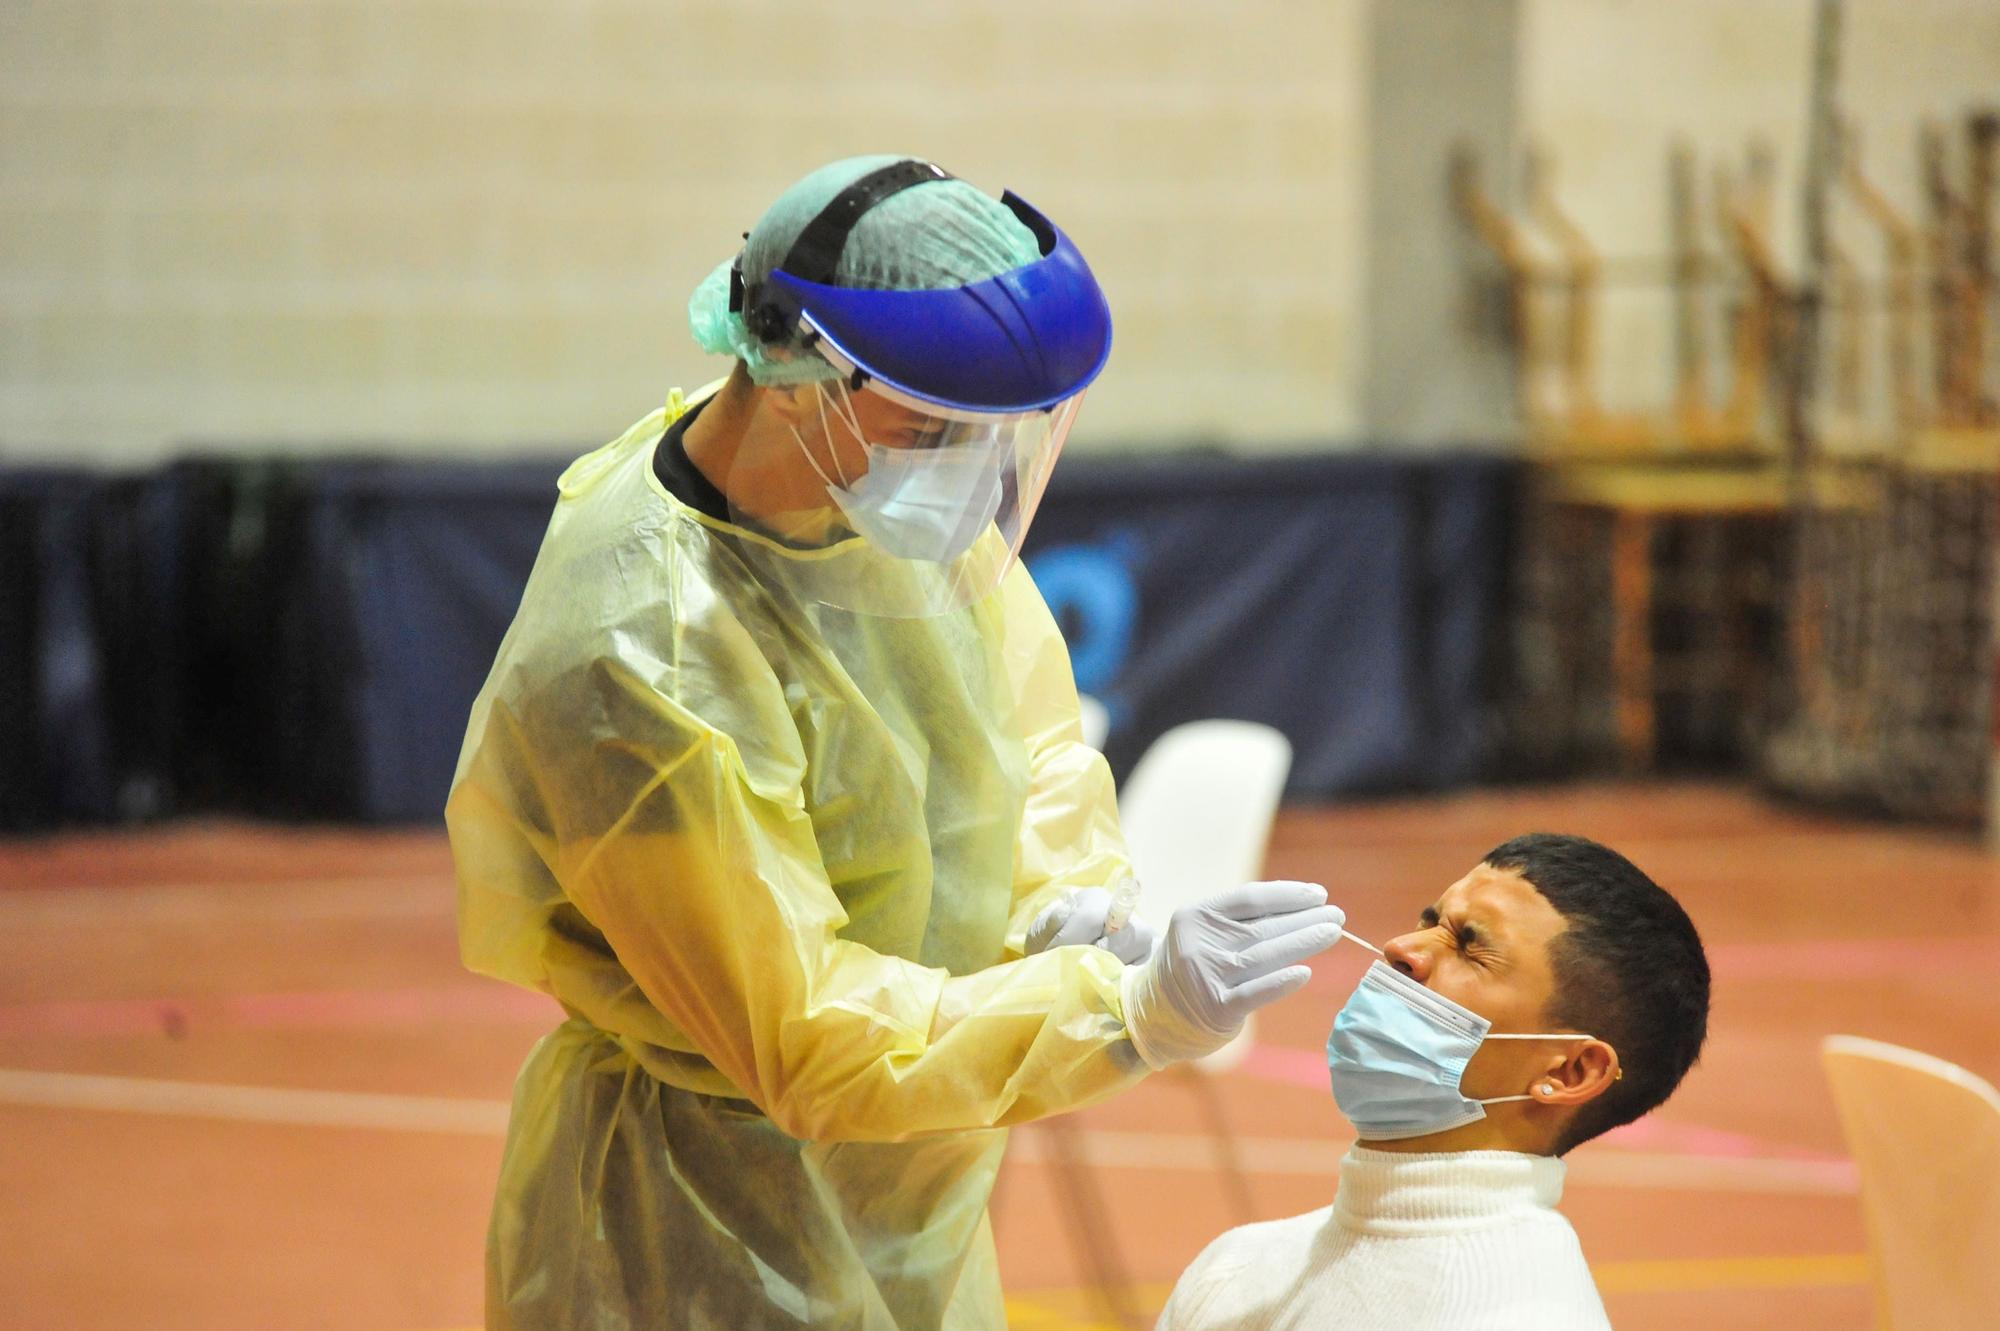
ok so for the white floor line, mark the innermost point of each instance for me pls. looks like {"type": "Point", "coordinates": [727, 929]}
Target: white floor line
{"type": "Point", "coordinates": [254, 1104]}
{"type": "Point", "coordinates": [1290, 1156]}
{"type": "Point", "coordinates": [387, 897]}
{"type": "Point", "coordinates": [1713, 1173]}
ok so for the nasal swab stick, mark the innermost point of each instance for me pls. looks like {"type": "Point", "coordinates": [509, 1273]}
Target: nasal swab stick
{"type": "Point", "coordinates": [1364, 942]}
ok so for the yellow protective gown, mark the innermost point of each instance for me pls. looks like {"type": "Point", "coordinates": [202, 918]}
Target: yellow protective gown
{"type": "Point", "coordinates": [777, 862]}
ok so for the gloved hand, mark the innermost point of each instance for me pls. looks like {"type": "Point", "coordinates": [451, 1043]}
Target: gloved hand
{"type": "Point", "coordinates": [1221, 960]}
{"type": "Point", "coordinates": [1081, 917]}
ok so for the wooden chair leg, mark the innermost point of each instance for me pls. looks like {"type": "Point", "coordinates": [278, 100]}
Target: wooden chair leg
{"type": "Point", "coordinates": [993, 1197]}
{"type": "Point", "coordinates": [1085, 1216]}
{"type": "Point", "coordinates": [1632, 647]}
{"type": "Point", "coordinates": [1234, 1180]}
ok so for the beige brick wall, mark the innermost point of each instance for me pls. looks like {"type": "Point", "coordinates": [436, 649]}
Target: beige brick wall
{"type": "Point", "coordinates": [1608, 84]}
{"type": "Point", "coordinates": [470, 226]}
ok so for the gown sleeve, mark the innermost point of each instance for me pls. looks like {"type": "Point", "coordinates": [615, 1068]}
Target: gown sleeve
{"type": "Point", "coordinates": [702, 874]}
{"type": "Point", "coordinates": [1069, 829]}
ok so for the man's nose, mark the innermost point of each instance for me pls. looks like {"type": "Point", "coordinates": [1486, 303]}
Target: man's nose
{"type": "Point", "coordinates": [1408, 954]}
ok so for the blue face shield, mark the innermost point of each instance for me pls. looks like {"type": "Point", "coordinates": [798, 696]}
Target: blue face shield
{"type": "Point", "coordinates": [1397, 1053]}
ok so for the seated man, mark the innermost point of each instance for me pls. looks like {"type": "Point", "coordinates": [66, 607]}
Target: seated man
{"type": "Point", "coordinates": [1552, 994]}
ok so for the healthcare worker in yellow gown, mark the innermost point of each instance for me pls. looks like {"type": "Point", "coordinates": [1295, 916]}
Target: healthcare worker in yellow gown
{"type": "Point", "coordinates": [777, 786]}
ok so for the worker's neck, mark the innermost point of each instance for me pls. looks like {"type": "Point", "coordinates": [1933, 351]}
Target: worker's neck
{"type": "Point", "coordinates": [745, 441]}
{"type": "Point", "coordinates": [716, 437]}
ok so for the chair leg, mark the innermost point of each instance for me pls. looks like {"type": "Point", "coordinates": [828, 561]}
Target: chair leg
{"type": "Point", "coordinates": [1234, 1180]}
{"type": "Point", "coordinates": [993, 1197]}
{"type": "Point", "coordinates": [1085, 1216]}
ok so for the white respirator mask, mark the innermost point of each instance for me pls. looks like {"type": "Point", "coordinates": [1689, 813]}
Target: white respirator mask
{"type": "Point", "coordinates": [917, 503]}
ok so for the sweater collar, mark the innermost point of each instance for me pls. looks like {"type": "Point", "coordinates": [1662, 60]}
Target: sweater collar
{"type": "Point", "coordinates": [1392, 1192]}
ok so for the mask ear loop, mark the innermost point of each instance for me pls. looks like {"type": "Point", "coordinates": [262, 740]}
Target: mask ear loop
{"type": "Point", "coordinates": [1521, 1035]}
{"type": "Point", "coordinates": [850, 418]}
{"type": "Point", "coordinates": [1535, 1035]}
{"type": "Point", "coordinates": [813, 462]}
{"type": "Point", "coordinates": [853, 424]}
{"type": "Point", "coordinates": [826, 434]}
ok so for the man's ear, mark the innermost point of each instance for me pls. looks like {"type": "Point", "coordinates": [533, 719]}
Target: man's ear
{"type": "Point", "coordinates": [1586, 1072]}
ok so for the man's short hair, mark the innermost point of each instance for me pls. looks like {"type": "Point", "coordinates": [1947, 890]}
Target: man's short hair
{"type": "Point", "coordinates": [1629, 969]}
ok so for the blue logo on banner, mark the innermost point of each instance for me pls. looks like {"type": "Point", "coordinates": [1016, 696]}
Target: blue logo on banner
{"type": "Point", "coordinates": [1094, 595]}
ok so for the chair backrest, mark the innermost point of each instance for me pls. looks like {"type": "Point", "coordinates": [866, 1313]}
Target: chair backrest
{"type": "Point", "coordinates": [1096, 720]}
{"type": "Point", "coordinates": [1926, 1135]}
{"type": "Point", "coordinates": [1197, 810]}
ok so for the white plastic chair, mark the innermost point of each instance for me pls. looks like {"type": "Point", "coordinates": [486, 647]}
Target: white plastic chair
{"type": "Point", "coordinates": [1926, 1135]}
{"type": "Point", "coordinates": [1197, 815]}
{"type": "Point", "coordinates": [1096, 720]}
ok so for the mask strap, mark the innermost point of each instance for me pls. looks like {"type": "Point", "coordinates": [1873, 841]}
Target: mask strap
{"type": "Point", "coordinates": [825, 480]}
{"type": "Point", "coordinates": [843, 410]}
{"type": "Point", "coordinates": [833, 450]}
{"type": "Point", "coordinates": [1518, 1035]}
{"type": "Point", "coordinates": [813, 462]}
{"type": "Point", "coordinates": [1557, 1035]}
{"type": "Point", "coordinates": [815, 252]}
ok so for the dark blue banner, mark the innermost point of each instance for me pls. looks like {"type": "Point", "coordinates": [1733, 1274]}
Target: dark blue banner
{"type": "Point", "coordinates": [306, 639]}
{"type": "Point", "coordinates": [1351, 603]}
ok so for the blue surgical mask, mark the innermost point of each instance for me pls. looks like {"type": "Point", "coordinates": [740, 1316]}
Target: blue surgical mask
{"type": "Point", "coordinates": [1397, 1052]}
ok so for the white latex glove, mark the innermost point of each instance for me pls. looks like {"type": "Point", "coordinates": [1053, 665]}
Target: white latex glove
{"type": "Point", "coordinates": [1221, 960]}
{"type": "Point", "coordinates": [1081, 917]}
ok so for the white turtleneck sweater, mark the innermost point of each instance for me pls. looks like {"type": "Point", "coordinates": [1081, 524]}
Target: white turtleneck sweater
{"type": "Point", "coordinates": [1449, 1241]}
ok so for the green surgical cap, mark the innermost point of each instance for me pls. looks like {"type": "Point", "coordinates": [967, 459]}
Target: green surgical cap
{"type": "Point", "coordinates": [926, 237]}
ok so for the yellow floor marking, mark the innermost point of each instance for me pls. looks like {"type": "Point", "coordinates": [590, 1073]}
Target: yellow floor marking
{"type": "Point", "coordinates": [1665, 1275]}
{"type": "Point", "coordinates": [1023, 1314]}
{"type": "Point", "coordinates": [1031, 1308]}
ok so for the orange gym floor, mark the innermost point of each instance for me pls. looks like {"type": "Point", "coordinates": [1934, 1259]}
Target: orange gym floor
{"type": "Point", "coordinates": [245, 1085]}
